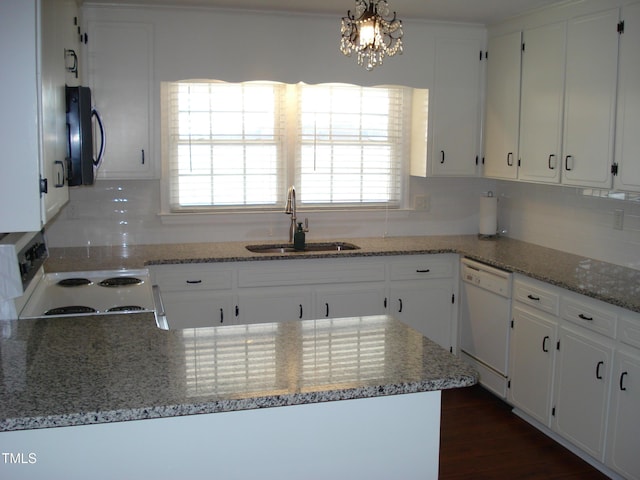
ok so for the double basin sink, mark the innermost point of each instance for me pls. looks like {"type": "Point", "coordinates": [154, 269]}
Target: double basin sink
{"type": "Point", "coordinates": [309, 247]}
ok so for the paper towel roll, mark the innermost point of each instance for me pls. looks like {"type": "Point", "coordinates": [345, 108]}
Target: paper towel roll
{"type": "Point", "coordinates": [488, 215]}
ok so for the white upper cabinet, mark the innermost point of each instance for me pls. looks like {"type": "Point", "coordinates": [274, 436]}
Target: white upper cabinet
{"type": "Point", "coordinates": [590, 99]}
{"type": "Point", "coordinates": [120, 72]}
{"type": "Point", "coordinates": [541, 109]}
{"type": "Point", "coordinates": [33, 185]}
{"type": "Point", "coordinates": [455, 107]}
{"type": "Point", "coordinates": [502, 106]}
{"type": "Point", "coordinates": [628, 123]}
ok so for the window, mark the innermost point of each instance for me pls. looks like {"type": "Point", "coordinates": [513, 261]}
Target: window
{"type": "Point", "coordinates": [240, 145]}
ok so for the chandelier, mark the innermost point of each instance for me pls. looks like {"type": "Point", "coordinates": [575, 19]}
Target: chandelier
{"type": "Point", "coordinates": [370, 34]}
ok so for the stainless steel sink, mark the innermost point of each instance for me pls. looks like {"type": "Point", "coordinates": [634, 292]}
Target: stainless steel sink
{"type": "Point", "coordinates": [309, 247]}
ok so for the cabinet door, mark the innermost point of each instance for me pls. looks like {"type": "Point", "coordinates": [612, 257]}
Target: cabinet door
{"type": "Point", "coordinates": [455, 107]}
{"type": "Point", "coordinates": [531, 363]}
{"type": "Point", "coordinates": [274, 305]}
{"type": "Point", "coordinates": [53, 109]}
{"type": "Point", "coordinates": [624, 417]}
{"type": "Point", "coordinates": [350, 301]}
{"type": "Point", "coordinates": [427, 306]}
{"type": "Point", "coordinates": [120, 73]}
{"type": "Point", "coordinates": [541, 107]}
{"type": "Point", "coordinates": [628, 123]}
{"type": "Point", "coordinates": [503, 106]}
{"type": "Point", "coordinates": [590, 99]}
{"type": "Point", "coordinates": [196, 309]}
{"type": "Point", "coordinates": [583, 379]}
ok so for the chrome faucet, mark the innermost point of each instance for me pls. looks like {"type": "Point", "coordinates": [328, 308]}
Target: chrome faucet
{"type": "Point", "coordinates": [290, 209]}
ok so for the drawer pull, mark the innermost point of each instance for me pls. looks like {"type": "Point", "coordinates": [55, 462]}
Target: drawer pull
{"type": "Point", "coordinates": [194, 282]}
{"type": "Point", "coordinates": [424, 270]}
{"type": "Point", "coordinates": [598, 374]}
{"type": "Point", "coordinates": [582, 316]}
{"type": "Point", "coordinates": [622, 375]}
{"type": "Point", "coordinates": [221, 315]}
{"type": "Point", "coordinates": [326, 313]}
{"type": "Point", "coordinates": [544, 344]}
{"type": "Point", "coordinates": [534, 298]}
{"type": "Point", "coordinates": [400, 302]}
{"type": "Point", "coordinates": [300, 316]}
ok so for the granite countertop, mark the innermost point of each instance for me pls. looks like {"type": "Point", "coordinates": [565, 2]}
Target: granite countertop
{"type": "Point", "coordinates": [97, 369]}
{"type": "Point", "coordinates": [604, 281]}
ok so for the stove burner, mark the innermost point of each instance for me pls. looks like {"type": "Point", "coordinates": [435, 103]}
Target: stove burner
{"type": "Point", "coordinates": [70, 310]}
{"type": "Point", "coordinates": [120, 282]}
{"type": "Point", "coordinates": [74, 282]}
{"type": "Point", "coordinates": [126, 308]}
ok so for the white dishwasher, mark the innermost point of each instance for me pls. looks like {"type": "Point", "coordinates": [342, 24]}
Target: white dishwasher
{"type": "Point", "coordinates": [485, 313]}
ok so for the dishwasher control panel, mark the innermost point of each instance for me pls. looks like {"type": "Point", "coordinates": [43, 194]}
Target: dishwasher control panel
{"type": "Point", "coordinates": [486, 277]}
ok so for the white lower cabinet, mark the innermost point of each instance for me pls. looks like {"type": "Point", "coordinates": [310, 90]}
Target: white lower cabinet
{"type": "Point", "coordinates": [350, 301]}
{"type": "Point", "coordinates": [624, 418]}
{"type": "Point", "coordinates": [575, 371]}
{"type": "Point", "coordinates": [278, 304]}
{"type": "Point", "coordinates": [417, 289]}
{"type": "Point", "coordinates": [204, 308]}
{"type": "Point", "coordinates": [582, 389]}
{"type": "Point", "coordinates": [426, 305]}
{"type": "Point", "coordinates": [532, 359]}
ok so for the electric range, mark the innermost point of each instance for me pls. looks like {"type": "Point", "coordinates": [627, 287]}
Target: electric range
{"type": "Point", "coordinates": [26, 291]}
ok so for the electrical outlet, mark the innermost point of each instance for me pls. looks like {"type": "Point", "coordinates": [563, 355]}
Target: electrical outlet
{"type": "Point", "coordinates": [422, 202]}
{"type": "Point", "coordinates": [618, 219]}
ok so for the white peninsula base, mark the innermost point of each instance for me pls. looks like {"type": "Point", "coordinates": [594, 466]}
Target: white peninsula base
{"type": "Point", "coordinates": [372, 438]}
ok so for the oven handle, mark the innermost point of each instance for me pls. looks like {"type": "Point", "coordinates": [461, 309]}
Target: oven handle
{"type": "Point", "coordinates": [159, 311]}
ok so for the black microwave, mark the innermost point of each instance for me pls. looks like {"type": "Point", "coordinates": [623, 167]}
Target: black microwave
{"type": "Point", "coordinates": [82, 162]}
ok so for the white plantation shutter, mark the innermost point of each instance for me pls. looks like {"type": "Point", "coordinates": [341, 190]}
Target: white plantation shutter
{"type": "Point", "coordinates": [350, 145]}
{"type": "Point", "coordinates": [225, 144]}
{"type": "Point", "coordinates": [240, 145]}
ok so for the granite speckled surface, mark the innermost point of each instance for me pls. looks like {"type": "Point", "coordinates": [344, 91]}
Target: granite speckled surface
{"type": "Point", "coordinates": [610, 283]}
{"type": "Point", "coordinates": [96, 369]}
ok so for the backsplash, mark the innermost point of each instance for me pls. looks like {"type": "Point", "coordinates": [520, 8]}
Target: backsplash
{"type": "Point", "coordinates": [127, 213]}
{"type": "Point", "coordinates": [565, 219]}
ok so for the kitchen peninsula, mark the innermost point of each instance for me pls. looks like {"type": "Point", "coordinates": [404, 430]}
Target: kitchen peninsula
{"type": "Point", "coordinates": [361, 398]}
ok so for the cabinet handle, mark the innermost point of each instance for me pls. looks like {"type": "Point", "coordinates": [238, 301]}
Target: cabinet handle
{"type": "Point", "coordinates": [194, 282]}
{"type": "Point", "coordinates": [549, 162]}
{"type": "Point", "coordinates": [425, 270]}
{"type": "Point", "coordinates": [300, 316]}
{"type": "Point", "coordinates": [59, 174]}
{"type": "Point", "coordinates": [582, 316]}
{"type": "Point", "coordinates": [385, 303]}
{"type": "Point", "coordinates": [326, 306]}
{"type": "Point", "coordinates": [544, 344]}
{"type": "Point", "coordinates": [142, 156]}
{"type": "Point", "coordinates": [566, 163]}
{"type": "Point", "coordinates": [221, 315]}
{"type": "Point", "coordinates": [441, 156]}
{"type": "Point", "coordinates": [510, 159]}
{"type": "Point", "coordinates": [622, 375]}
{"type": "Point", "coordinates": [237, 311]}
{"type": "Point", "coordinates": [598, 375]}
{"type": "Point", "coordinates": [534, 298]}
{"type": "Point", "coordinates": [400, 309]}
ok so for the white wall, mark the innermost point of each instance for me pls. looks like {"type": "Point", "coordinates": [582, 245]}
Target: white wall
{"type": "Point", "coordinates": [126, 213]}
{"type": "Point", "coordinates": [565, 219]}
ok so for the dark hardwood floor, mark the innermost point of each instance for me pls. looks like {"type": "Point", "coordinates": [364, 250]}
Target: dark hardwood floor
{"type": "Point", "coordinates": [482, 439]}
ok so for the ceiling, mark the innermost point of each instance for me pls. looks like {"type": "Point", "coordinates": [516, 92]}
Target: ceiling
{"type": "Point", "coordinates": [474, 11]}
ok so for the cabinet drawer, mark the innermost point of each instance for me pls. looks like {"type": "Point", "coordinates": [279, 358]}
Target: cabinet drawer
{"type": "Point", "coordinates": [191, 277]}
{"type": "Point", "coordinates": [309, 272]}
{"type": "Point", "coordinates": [629, 330]}
{"type": "Point", "coordinates": [421, 266]}
{"type": "Point", "coordinates": [588, 313]}
{"type": "Point", "coordinates": [537, 295]}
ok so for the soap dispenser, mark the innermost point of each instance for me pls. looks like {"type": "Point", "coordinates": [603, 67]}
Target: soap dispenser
{"type": "Point", "coordinates": [299, 238]}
